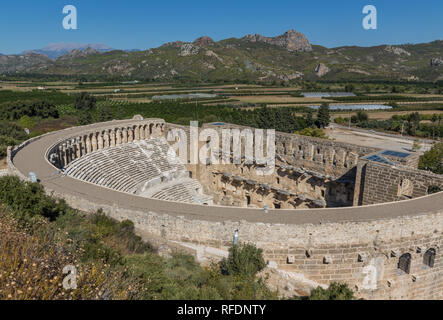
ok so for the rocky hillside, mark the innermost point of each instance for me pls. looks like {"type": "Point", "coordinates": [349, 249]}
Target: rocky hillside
{"type": "Point", "coordinates": [253, 57]}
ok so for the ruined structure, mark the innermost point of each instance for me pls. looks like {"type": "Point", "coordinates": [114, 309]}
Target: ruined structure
{"type": "Point", "coordinates": [330, 211]}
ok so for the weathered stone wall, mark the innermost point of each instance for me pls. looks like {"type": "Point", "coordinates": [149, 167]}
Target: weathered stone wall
{"type": "Point", "coordinates": [380, 183]}
{"type": "Point", "coordinates": [364, 255]}
{"type": "Point", "coordinates": [327, 157]}
{"type": "Point", "coordinates": [286, 188]}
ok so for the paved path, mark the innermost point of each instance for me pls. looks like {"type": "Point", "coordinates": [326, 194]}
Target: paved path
{"type": "Point", "coordinates": [370, 138]}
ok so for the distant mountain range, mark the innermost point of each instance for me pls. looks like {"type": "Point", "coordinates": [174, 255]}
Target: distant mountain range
{"type": "Point", "coordinates": [55, 50]}
{"type": "Point", "coordinates": [253, 57]}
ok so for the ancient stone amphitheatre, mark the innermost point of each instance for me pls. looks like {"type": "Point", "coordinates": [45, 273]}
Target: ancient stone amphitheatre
{"type": "Point", "coordinates": [330, 211]}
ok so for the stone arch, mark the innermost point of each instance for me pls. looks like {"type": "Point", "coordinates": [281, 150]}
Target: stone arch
{"type": "Point", "coordinates": [157, 130]}
{"type": "Point", "coordinates": [404, 263]}
{"type": "Point", "coordinates": [141, 128]}
{"type": "Point", "coordinates": [405, 188]}
{"type": "Point", "coordinates": [429, 258]}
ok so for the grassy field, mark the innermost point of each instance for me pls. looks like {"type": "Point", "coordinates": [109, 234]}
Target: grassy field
{"type": "Point", "coordinates": [236, 94]}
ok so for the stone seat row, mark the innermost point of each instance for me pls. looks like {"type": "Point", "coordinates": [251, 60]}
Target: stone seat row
{"type": "Point", "coordinates": [126, 167]}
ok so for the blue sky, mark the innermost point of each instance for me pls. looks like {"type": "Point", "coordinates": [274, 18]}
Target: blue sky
{"type": "Point", "coordinates": [142, 24]}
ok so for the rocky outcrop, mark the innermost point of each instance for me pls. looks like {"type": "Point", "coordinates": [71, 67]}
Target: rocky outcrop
{"type": "Point", "coordinates": [291, 40]}
{"type": "Point", "coordinates": [204, 42]}
{"type": "Point", "coordinates": [188, 49]}
{"type": "Point", "coordinates": [321, 70]}
{"type": "Point", "coordinates": [22, 63]}
{"type": "Point", "coordinates": [78, 53]}
{"type": "Point", "coordinates": [291, 76]}
{"type": "Point", "coordinates": [212, 54]}
{"type": "Point", "coordinates": [397, 50]}
{"type": "Point", "coordinates": [435, 62]}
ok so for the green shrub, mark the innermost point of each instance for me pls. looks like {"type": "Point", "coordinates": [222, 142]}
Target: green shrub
{"type": "Point", "coordinates": [313, 132]}
{"type": "Point", "coordinates": [434, 189]}
{"type": "Point", "coordinates": [26, 122]}
{"type": "Point", "coordinates": [336, 291]}
{"type": "Point", "coordinates": [244, 261]}
{"type": "Point", "coordinates": [16, 110]}
{"type": "Point", "coordinates": [85, 101]}
{"type": "Point", "coordinates": [28, 200]}
{"type": "Point", "coordinates": [432, 160]}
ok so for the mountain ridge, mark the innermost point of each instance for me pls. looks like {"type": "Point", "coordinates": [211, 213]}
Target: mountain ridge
{"type": "Point", "coordinates": [255, 57]}
{"type": "Point", "coordinates": [55, 50]}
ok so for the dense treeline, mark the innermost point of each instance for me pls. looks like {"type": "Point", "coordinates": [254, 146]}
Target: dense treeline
{"type": "Point", "coordinates": [54, 97]}
{"type": "Point", "coordinates": [16, 110]}
{"type": "Point", "coordinates": [280, 119]}
{"type": "Point", "coordinates": [413, 124]}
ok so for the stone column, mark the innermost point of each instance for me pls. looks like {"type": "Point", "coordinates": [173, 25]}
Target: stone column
{"type": "Point", "coordinates": [79, 147]}
{"type": "Point", "coordinates": [125, 135]}
{"type": "Point", "coordinates": [147, 131]}
{"type": "Point", "coordinates": [130, 135]}
{"type": "Point", "coordinates": [118, 138]}
{"type": "Point", "coordinates": [61, 164]}
{"type": "Point", "coordinates": [142, 132]}
{"type": "Point", "coordinates": [106, 139]}
{"type": "Point", "coordinates": [94, 142]}
{"type": "Point", "coordinates": [112, 144]}
{"type": "Point", "coordinates": [64, 155]}
{"type": "Point", "coordinates": [100, 141]}
{"type": "Point", "coordinates": [330, 156]}
{"type": "Point", "coordinates": [136, 133]}
{"type": "Point", "coordinates": [340, 158]}
{"type": "Point", "coordinates": [88, 144]}
{"type": "Point", "coordinates": [68, 152]}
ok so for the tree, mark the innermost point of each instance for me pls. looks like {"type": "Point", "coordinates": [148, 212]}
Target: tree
{"type": "Point", "coordinates": [84, 101]}
{"type": "Point", "coordinates": [104, 113]}
{"type": "Point", "coordinates": [349, 87]}
{"type": "Point", "coordinates": [413, 123]}
{"type": "Point", "coordinates": [432, 160]}
{"type": "Point", "coordinates": [323, 116]}
{"type": "Point", "coordinates": [310, 118]}
{"type": "Point", "coordinates": [336, 291]}
{"type": "Point", "coordinates": [434, 121]}
{"type": "Point", "coordinates": [313, 132]}
{"type": "Point", "coordinates": [243, 261]}
{"type": "Point", "coordinates": [362, 116]}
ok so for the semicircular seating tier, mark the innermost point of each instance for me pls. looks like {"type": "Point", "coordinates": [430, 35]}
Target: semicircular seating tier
{"type": "Point", "coordinates": [148, 168]}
